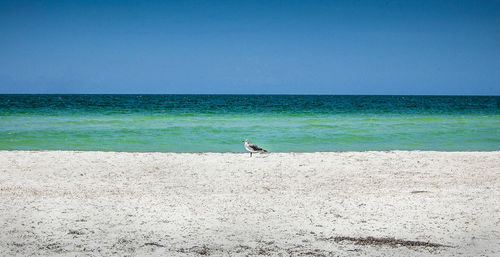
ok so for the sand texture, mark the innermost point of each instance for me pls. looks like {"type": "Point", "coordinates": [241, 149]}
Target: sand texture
{"type": "Point", "coordinates": [397, 203]}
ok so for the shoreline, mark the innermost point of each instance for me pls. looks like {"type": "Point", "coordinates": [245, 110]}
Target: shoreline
{"type": "Point", "coordinates": [371, 203]}
{"type": "Point", "coordinates": [319, 152]}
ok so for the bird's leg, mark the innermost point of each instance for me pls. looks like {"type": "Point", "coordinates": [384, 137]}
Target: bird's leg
{"type": "Point", "coordinates": [250, 154]}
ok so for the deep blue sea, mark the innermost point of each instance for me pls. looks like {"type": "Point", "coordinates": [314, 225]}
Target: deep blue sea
{"type": "Point", "coordinates": [219, 123]}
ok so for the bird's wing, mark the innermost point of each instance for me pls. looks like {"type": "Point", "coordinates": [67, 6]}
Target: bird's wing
{"type": "Point", "coordinates": [255, 147]}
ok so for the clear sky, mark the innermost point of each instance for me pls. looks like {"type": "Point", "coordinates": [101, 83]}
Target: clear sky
{"type": "Point", "coordinates": [255, 47]}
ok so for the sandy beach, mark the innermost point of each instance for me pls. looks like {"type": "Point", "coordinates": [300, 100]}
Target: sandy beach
{"type": "Point", "coordinates": [396, 203]}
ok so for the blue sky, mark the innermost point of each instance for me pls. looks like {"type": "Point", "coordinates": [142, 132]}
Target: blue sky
{"type": "Point", "coordinates": [254, 47]}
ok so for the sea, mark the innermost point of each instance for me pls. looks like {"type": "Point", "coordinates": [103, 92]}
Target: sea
{"type": "Point", "coordinates": [278, 123]}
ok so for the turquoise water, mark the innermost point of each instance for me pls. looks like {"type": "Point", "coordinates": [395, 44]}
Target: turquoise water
{"type": "Point", "coordinates": [279, 123]}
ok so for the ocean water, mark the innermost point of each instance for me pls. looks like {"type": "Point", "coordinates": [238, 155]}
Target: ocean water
{"type": "Point", "coordinates": [219, 123]}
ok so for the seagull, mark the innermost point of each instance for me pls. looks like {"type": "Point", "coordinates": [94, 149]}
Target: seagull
{"type": "Point", "coordinates": [253, 148]}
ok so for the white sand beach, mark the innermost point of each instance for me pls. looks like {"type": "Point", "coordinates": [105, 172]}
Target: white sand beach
{"type": "Point", "coordinates": [396, 203]}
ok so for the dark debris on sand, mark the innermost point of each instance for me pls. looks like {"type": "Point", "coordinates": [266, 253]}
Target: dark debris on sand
{"type": "Point", "coordinates": [154, 244]}
{"type": "Point", "coordinates": [419, 192]}
{"type": "Point", "coordinates": [384, 241]}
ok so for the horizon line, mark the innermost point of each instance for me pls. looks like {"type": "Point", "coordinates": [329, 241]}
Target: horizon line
{"type": "Point", "coordinates": [268, 94]}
